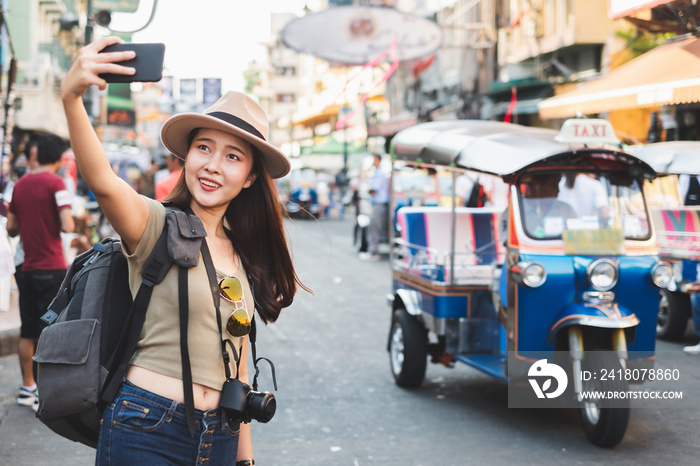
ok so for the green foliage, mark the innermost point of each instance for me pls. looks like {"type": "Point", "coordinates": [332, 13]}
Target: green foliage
{"type": "Point", "coordinates": [639, 42]}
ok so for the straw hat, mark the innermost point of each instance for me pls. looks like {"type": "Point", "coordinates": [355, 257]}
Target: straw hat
{"type": "Point", "coordinates": [234, 113]}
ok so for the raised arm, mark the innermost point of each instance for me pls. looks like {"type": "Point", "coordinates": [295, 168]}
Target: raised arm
{"type": "Point", "coordinates": [126, 211]}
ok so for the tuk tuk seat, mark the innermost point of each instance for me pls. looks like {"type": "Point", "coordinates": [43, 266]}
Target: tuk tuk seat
{"type": "Point", "coordinates": [426, 236]}
{"type": "Point", "coordinates": [678, 232]}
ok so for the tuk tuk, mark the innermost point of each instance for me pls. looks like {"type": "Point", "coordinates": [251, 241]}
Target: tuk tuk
{"type": "Point", "coordinates": [568, 272]}
{"type": "Point", "coordinates": [677, 223]}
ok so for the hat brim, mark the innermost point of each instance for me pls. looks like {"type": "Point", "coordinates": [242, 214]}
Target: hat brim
{"type": "Point", "coordinates": [177, 128]}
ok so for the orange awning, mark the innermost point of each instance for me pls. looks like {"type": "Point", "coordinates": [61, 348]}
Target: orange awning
{"type": "Point", "coordinates": [666, 75]}
{"type": "Point", "coordinates": [317, 117]}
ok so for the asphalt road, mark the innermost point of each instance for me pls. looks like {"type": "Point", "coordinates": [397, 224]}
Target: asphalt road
{"type": "Point", "coordinates": [338, 404]}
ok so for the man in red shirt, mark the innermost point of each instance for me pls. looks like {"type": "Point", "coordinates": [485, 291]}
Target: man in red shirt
{"type": "Point", "coordinates": [39, 210]}
{"type": "Point", "coordinates": [167, 184]}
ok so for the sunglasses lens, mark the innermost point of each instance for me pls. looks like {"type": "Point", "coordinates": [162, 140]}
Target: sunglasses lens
{"type": "Point", "coordinates": [231, 289]}
{"type": "Point", "coordinates": [238, 324]}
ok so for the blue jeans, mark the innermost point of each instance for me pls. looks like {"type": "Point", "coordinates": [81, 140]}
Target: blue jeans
{"type": "Point", "coordinates": [140, 427]}
{"type": "Point", "coordinates": [695, 311]}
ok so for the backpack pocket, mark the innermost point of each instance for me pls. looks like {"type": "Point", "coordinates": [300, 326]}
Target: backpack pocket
{"type": "Point", "coordinates": [69, 373]}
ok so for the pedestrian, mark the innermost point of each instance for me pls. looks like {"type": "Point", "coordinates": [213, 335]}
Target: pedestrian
{"type": "Point", "coordinates": [544, 215]}
{"type": "Point", "coordinates": [39, 211]}
{"type": "Point", "coordinates": [379, 219]}
{"type": "Point", "coordinates": [149, 181]}
{"type": "Point", "coordinates": [166, 185]}
{"type": "Point", "coordinates": [228, 183]}
{"type": "Point", "coordinates": [689, 190]}
{"type": "Point", "coordinates": [587, 195]}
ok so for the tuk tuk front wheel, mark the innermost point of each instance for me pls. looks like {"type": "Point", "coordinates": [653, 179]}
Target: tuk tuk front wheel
{"type": "Point", "coordinates": [674, 312]}
{"type": "Point", "coordinates": [408, 350]}
{"type": "Point", "coordinates": [604, 421]}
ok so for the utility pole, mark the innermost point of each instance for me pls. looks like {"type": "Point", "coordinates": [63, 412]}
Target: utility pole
{"type": "Point", "coordinates": [87, 98]}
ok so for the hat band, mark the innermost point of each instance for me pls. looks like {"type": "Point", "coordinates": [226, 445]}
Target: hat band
{"type": "Point", "coordinates": [237, 122]}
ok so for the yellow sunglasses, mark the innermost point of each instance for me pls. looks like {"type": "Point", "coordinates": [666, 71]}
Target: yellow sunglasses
{"type": "Point", "coordinates": [238, 324]}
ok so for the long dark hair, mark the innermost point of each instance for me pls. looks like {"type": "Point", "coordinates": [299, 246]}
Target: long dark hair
{"type": "Point", "coordinates": [254, 223]}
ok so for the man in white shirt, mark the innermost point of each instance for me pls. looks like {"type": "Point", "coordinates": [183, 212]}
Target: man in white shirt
{"type": "Point", "coordinates": [379, 220]}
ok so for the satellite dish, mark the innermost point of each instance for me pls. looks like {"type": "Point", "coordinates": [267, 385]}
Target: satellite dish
{"type": "Point", "coordinates": [355, 35]}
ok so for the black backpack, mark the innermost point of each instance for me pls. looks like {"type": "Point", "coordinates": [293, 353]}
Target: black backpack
{"type": "Point", "coordinates": [477, 197]}
{"type": "Point", "coordinates": [94, 326]}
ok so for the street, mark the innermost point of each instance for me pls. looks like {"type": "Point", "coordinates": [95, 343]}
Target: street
{"type": "Point", "coordinates": [338, 404]}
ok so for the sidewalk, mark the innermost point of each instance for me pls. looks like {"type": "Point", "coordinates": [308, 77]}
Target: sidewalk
{"type": "Point", "coordinates": [9, 326]}
{"type": "Point", "coordinates": [23, 438]}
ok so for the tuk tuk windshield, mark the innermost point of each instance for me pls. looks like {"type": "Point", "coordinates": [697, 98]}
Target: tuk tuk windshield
{"type": "Point", "coordinates": [552, 203]}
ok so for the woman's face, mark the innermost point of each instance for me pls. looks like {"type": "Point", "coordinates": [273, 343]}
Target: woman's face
{"type": "Point", "coordinates": [218, 166]}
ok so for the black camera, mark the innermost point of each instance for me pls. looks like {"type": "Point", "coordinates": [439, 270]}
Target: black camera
{"type": "Point", "coordinates": [242, 404]}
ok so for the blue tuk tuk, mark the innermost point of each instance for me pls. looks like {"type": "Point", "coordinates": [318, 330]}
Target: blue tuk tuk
{"type": "Point", "coordinates": [570, 267]}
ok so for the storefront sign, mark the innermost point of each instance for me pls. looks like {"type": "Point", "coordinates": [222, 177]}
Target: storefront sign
{"type": "Point", "coordinates": [121, 117]}
{"type": "Point", "coordinates": [211, 90]}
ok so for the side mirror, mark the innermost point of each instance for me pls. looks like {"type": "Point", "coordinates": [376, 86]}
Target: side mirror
{"type": "Point", "coordinates": [103, 18]}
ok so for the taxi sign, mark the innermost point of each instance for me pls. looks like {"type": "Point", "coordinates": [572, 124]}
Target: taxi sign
{"type": "Point", "coordinates": [589, 131]}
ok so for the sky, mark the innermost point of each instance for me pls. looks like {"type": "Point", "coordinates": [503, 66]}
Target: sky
{"type": "Point", "coordinates": [208, 38]}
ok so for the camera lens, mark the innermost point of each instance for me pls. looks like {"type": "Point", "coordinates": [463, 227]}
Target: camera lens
{"type": "Point", "coordinates": [262, 406]}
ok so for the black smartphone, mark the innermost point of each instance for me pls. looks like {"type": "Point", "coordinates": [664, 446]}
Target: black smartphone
{"type": "Point", "coordinates": [148, 63]}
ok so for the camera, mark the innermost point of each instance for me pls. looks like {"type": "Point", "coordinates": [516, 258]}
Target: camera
{"type": "Point", "coordinates": [242, 404]}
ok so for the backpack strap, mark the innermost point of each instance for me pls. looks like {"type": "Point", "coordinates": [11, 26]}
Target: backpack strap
{"type": "Point", "coordinates": [183, 296]}
{"type": "Point", "coordinates": [185, 253]}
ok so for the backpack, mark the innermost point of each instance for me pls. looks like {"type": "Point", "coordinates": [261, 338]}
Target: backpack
{"type": "Point", "coordinates": [94, 325]}
{"type": "Point", "coordinates": [477, 197]}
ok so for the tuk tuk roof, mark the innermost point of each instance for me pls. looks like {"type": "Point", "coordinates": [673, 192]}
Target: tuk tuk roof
{"type": "Point", "coordinates": [486, 146]}
{"type": "Point", "coordinates": [672, 157]}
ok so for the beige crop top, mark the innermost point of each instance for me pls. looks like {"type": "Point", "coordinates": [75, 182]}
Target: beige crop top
{"type": "Point", "coordinates": [158, 348]}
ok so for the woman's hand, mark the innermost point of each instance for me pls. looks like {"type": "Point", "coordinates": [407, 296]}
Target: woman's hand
{"type": "Point", "coordinates": [90, 63]}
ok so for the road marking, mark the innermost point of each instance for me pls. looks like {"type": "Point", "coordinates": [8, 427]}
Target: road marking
{"type": "Point", "coordinates": [278, 333]}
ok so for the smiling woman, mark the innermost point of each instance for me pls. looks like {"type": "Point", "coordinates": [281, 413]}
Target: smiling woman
{"type": "Point", "coordinates": [228, 183]}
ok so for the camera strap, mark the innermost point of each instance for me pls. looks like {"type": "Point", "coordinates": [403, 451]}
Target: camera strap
{"type": "Point", "coordinates": [252, 336]}
{"type": "Point", "coordinates": [211, 274]}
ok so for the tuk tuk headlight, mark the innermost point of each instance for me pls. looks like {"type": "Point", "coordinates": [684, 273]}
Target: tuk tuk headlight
{"type": "Point", "coordinates": [662, 274]}
{"type": "Point", "coordinates": [530, 274]}
{"type": "Point", "coordinates": [602, 274]}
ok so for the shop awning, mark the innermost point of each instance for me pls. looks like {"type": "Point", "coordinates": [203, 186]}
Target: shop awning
{"type": "Point", "coordinates": [666, 75]}
{"type": "Point", "coordinates": [529, 93]}
{"type": "Point", "coordinates": [393, 125]}
{"type": "Point", "coordinates": [122, 103]}
{"type": "Point", "coordinates": [314, 118]}
{"type": "Point", "coordinates": [332, 146]}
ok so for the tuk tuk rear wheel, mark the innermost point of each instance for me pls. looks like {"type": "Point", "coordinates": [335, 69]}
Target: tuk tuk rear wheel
{"type": "Point", "coordinates": [674, 312]}
{"type": "Point", "coordinates": [408, 350]}
{"type": "Point", "coordinates": [605, 421]}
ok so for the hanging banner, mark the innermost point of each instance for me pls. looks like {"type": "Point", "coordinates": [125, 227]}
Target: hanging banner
{"type": "Point", "coordinates": [355, 35]}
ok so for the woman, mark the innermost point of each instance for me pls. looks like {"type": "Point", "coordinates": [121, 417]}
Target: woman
{"type": "Point", "coordinates": [227, 182]}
